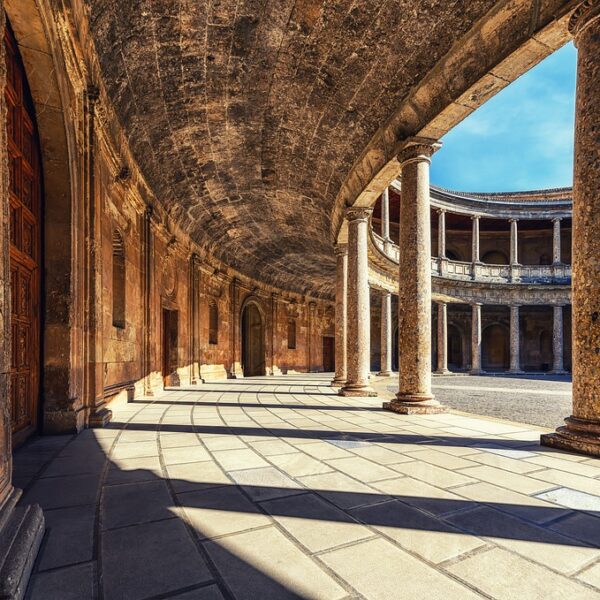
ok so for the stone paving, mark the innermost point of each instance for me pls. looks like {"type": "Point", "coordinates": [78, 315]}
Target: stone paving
{"type": "Point", "coordinates": [543, 400]}
{"type": "Point", "coordinates": [277, 488]}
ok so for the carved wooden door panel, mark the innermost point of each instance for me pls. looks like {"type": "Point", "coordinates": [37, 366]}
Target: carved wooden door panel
{"type": "Point", "coordinates": [25, 202]}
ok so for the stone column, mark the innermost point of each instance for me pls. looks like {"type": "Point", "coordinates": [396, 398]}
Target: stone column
{"type": "Point", "coordinates": [515, 340]}
{"type": "Point", "coordinates": [358, 310]}
{"type": "Point", "coordinates": [556, 249]}
{"type": "Point", "coordinates": [476, 339]}
{"type": "Point", "coordinates": [275, 370]}
{"type": "Point", "coordinates": [514, 243]}
{"type": "Point", "coordinates": [386, 334]}
{"type": "Point", "coordinates": [341, 316]}
{"type": "Point", "coordinates": [194, 317]}
{"type": "Point", "coordinates": [442, 338]}
{"type": "Point", "coordinates": [414, 305]}
{"type": "Point", "coordinates": [310, 336]}
{"type": "Point", "coordinates": [385, 214]}
{"type": "Point", "coordinates": [442, 234]}
{"type": "Point", "coordinates": [582, 430]}
{"type": "Point", "coordinates": [148, 269]}
{"type": "Point", "coordinates": [558, 366]}
{"type": "Point", "coordinates": [475, 241]}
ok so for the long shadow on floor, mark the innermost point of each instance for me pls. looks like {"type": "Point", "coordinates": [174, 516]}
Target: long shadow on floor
{"type": "Point", "coordinates": [139, 545]}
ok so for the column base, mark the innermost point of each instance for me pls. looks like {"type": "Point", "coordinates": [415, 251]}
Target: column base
{"type": "Point", "coordinates": [558, 372]}
{"type": "Point", "coordinates": [476, 372]}
{"type": "Point", "coordinates": [101, 418]}
{"type": "Point", "coordinates": [442, 371]}
{"type": "Point", "coordinates": [338, 382]}
{"type": "Point", "coordinates": [385, 374]}
{"type": "Point", "coordinates": [358, 391]}
{"type": "Point", "coordinates": [415, 404]}
{"type": "Point", "coordinates": [515, 372]}
{"type": "Point", "coordinates": [578, 436]}
{"type": "Point", "coordinates": [21, 533]}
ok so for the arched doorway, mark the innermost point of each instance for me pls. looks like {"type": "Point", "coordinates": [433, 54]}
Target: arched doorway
{"type": "Point", "coordinates": [25, 201]}
{"type": "Point", "coordinates": [253, 341]}
{"type": "Point", "coordinates": [455, 349]}
{"type": "Point", "coordinates": [495, 353]}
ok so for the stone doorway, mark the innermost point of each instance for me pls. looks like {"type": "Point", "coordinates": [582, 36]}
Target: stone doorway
{"type": "Point", "coordinates": [253, 341]}
{"type": "Point", "coordinates": [495, 348]}
{"type": "Point", "coordinates": [328, 354]}
{"type": "Point", "coordinates": [25, 202]}
{"type": "Point", "coordinates": [170, 321]}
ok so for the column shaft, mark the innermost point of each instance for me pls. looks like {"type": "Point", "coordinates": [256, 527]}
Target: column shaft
{"type": "Point", "coordinates": [358, 310]}
{"type": "Point", "coordinates": [385, 214]}
{"type": "Point", "coordinates": [386, 334]}
{"type": "Point", "coordinates": [514, 242]}
{"type": "Point", "coordinates": [557, 340]}
{"type": "Point", "coordinates": [414, 304]}
{"type": "Point", "coordinates": [582, 431]}
{"type": "Point", "coordinates": [341, 316]}
{"type": "Point", "coordinates": [475, 240]}
{"type": "Point", "coordinates": [556, 248]}
{"type": "Point", "coordinates": [515, 340]}
{"type": "Point", "coordinates": [442, 338]}
{"type": "Point", "coordinates": [442, 234]}
{"type": "Point", "coordinates": [476, 339]}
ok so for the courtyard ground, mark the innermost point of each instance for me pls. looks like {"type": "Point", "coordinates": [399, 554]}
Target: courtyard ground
{"type": "Point", "coordinates": [543, 400]}
{"type": "Point", "coordinates": [272, 488]}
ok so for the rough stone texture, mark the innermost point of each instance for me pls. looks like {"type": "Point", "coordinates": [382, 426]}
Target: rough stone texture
{"type": "Point", "coordinates": [341, 315]}
{"type": "Point", "coordinates": [359, 314]}
{"type": "Point", "coordinates": [414, 300]}
{"type": "Point", "coordinates": [582, 431]}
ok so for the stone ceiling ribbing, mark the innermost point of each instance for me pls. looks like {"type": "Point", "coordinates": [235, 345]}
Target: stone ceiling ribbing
{"type": "Point", "coordinates": [245, 116]}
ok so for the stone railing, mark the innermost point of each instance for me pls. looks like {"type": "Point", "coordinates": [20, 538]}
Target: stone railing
{"type": "Point", "coordinates": [480, 272]}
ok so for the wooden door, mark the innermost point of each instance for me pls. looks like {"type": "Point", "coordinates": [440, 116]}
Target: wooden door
{"type": "Point", "coordinates": [25, 246]}
{"type": "Point", "coordinates": [328, 354]}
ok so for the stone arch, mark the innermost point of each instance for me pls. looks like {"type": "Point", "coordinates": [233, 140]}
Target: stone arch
{"type": "Point", "coordinates": [495, 347]}
{"type": "Point", "coordinates": [455, 347]}
{"type": "Point", "coordinates": [252, 322]}
{"type": "Point", "coordinates": [62, 319]}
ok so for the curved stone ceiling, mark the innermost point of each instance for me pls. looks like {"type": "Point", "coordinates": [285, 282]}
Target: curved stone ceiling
{"type": "Point", "coordinates": [246, 116]}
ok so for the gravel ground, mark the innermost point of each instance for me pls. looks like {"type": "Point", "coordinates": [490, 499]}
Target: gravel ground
{"type": "Point", "coordinates": [542, 400]}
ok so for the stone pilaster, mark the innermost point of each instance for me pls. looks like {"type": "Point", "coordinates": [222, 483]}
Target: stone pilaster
{"type": "Point", "coordinates": [515, 340]}
{"type": "Point", "coordinates": [556, 248]}
{"type": "Point", "coordinates": [359, 316]}
{"type": "Point", "coordinates": [476, 339]}
{"type": "Point", "coordinates": [21, 527]}
{"type": "Point", "coordinates": [341, 315]}
{"type": "Point", "coordinates": [148, 269]}
{"type": "Point", "coordinates": [386, 334]}
{"type": "Point", "coordinates": [194, 330]}
{"type": "Point", "coordinates": [310, 334]}
{"type": "Point", "coordinates": [414, 303]}
{"type": "Point", "coordinates": [558, 366]}
{"type": "Point", "coordinates": [275, 370]}
{"type": "Point", "coordinates": [442, 338]}
{"type": "Point", "coordinates": [582, 430]}
{"type": "Point", "coordinates": [236, 352]}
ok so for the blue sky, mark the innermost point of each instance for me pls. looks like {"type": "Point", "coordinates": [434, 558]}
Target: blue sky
{"type": "Point", "coordinates": [521, 139]}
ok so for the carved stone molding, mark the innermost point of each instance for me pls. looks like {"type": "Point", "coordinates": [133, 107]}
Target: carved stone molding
{"type": "Point", "coordinates": [418, 149]}
{"type": "Point", "coordinates": [359, 213]}
{"type": "Point", "coordinates": [584, 15]}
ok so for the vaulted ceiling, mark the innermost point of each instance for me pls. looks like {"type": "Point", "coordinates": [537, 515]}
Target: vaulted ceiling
{"type": "Point", "coordinates": [246, 116]}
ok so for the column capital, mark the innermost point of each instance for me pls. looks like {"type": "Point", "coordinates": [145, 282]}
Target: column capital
{"type": "Point", "coordinates": [418, 149]}
{"type": "Point", "coordinates": [441, 211]}
{"type": "Point", "coordinates": [340, 249]}
{"type": "Point", "coordinates": [513, 220]}
{"type": "Point", "coordinates": [474, 304]}
{"type": "Point", "coordinates": [359, 213]}
{"type": "Point", "coordinates": [475, 217]}
{"type": "Point", "coordinates": [585, 14]}
{"type": "Point", "coordinates": [557, 219]}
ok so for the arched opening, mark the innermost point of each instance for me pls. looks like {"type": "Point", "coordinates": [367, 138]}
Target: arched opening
{"type": "Point", "coordinates": [118, 280]}
{"type": "Point", "coordinates": [253, 341]}
{"type": "Point", "coordinates": [494, 257]}
{"type": "Point", "coordinates": [455, 349]}
{"type": "Point", "coordinates": [495, 349]}
{"type": "Point", "coordinates": [25, 206]}
{"type": "Point", "coordinates": [452, 255]}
